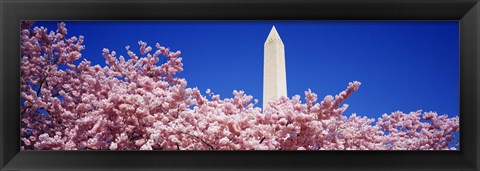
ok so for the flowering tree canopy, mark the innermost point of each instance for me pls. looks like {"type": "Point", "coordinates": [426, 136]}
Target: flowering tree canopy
{"type": "Point", "coordinates": [139, 104]}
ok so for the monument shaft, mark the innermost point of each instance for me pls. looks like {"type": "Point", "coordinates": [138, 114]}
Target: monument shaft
{"type": "Point", "coordinates": [274, 72]}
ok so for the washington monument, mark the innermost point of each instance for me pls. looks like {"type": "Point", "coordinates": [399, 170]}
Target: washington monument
{"type": "Point", "coordinates": [274, 73]}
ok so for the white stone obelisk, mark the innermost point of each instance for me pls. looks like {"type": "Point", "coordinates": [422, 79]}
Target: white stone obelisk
{"type": "Point", "coordinates": [274, 73]}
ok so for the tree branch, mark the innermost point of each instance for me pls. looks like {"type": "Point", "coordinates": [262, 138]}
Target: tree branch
{"type": "Point", "coordinates": [211, 147]}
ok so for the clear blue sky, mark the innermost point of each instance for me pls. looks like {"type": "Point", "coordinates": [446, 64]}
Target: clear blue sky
{"type": "Point", "coordinates": [403, 65]}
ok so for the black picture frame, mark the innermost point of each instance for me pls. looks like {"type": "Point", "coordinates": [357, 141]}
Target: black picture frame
{"type": "Point", "coordinates": [466, 11]}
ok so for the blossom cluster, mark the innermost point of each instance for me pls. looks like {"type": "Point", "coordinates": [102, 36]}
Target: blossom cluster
{"type": "Point", "coordinates": [139, 104]}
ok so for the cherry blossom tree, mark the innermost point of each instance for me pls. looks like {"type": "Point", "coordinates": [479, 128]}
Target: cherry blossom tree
{"type": "Point", "coordinates": [139, 104]}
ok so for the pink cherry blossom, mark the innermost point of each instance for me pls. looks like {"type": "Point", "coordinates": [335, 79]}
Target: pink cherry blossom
{"type": "Point", "coordinates": [138, 103]}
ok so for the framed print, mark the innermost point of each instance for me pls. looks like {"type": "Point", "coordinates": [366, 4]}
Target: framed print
{"type": "Point", "coordinates": [194, 85]}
